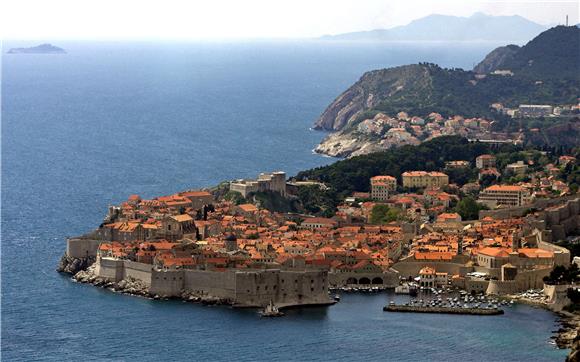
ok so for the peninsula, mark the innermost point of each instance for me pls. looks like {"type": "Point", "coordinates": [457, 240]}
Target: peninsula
{"type": "Point", "coordinates": [464, 218]}
{"type": "Point", "coordinates": [410, 104]}
{"type": "Point", "coordinates": [39, 49]}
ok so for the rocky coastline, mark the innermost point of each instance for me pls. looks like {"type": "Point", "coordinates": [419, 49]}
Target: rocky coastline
{"type": "Point", "coordinates": [83, 273]}
{"type": "Point", "coordinates": [70, 265]}
{"type": "Point", "coordinates": [344, 145]}
{"type": "Point", "coordinates": [568, 335]}
{"type": "Point", "coordinates": [565, 337]}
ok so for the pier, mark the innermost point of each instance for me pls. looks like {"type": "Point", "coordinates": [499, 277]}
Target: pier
{"type": "Point", "coordinates": [442, 310]}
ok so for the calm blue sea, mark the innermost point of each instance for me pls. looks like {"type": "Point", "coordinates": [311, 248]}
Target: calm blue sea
{"type": "Point", "coordinates": [85, 130]}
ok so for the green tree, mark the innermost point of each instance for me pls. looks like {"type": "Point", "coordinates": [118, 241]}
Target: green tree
{"type": "Point", "coordinates": [468, 208]}
{"type": "Point", "coordinates": [234, 197]}
{"type": "Point", "coordinates": [382, 214]}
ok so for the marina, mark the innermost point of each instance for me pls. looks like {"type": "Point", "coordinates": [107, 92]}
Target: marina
{"type": "Point", "coordinates": [446, 310]}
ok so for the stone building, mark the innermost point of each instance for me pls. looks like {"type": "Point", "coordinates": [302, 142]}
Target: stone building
{"type": "Point", "coordinates": [421, 179]}
{"type": "Point", "coordinates": [275, 181]}
{"type": "Point", "coordinates": [198, 198]}
{"type": "Point", "coordinates": [517, 168]}
{"type": "Point", "coordinates": [505, 196]}
{"type": "Point", "coordinates": [485, 161]}
{"type": "Point", "coordinates": [535, 110]}
{"type": "Point", "coordinates": [314, 223]}
{"type": "Point", "coordinates": [382, 186]}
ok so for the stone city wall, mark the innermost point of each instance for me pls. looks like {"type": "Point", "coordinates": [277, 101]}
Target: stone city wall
{"type": "Point", "coordinates": [389, 279]}
{"type": "Point", "coordinates": [557, 296]}
{"type": "Point", "coordinates": [82, 247]}
{"type": "Point", "coordinates": [525, 280]}
{"type": "Point", "coordinates": [203, 282]}
{"type": "Point", "coordinates": [241, 287]}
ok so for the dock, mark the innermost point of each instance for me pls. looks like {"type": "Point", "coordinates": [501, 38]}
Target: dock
{"type": "Point", "coordinates": [442, 310]}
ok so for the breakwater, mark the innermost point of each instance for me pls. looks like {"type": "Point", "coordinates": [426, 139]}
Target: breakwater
{"type": "Point", "coordinates": [443, 310]}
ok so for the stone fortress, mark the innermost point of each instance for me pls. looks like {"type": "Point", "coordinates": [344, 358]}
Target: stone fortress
{"type": "Point", "coordinates": [275, 181]}
{"type": "Point", "coordinates": [241, 288]}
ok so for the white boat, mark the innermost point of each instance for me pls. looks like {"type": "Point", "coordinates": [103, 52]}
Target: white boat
{"type": "Point", "coordinates": [271, 311]}
{"type": "Point", "coordinates": [403, 289]}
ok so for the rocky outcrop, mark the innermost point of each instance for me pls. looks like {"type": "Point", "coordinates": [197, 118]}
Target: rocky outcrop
{"type": "Point", "coordinates": [574, 355]}
{"type": "Point", "coordinates": [72, 265]}
{"type": "Point", "coordinates": [127, 286]}
{"type": "Point", "coordinates": [496, 58]}
{"type": "Point", "coordinates": [371, 89]}
{"type": "Point", "coordinates": [568, 335]}
{"type": "Point", "coordinates": [341, 144]}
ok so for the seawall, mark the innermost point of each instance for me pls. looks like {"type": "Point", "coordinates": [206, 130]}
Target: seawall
{"type": "Point", "coordinates": [239, 287]}
{"type": "Point", "coordinates": [443, 310]}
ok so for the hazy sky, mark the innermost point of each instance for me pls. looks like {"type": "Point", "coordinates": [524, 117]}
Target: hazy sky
{"type": "Point", "coordinates": [192, 19]}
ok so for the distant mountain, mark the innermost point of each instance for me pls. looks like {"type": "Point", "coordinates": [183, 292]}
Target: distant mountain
{"type": "Point", "coordinates": [39, 49]}
{"type": "Point", "coordinates": [546, 70]}
{"type": "Point", "coordinates": [479, 26]}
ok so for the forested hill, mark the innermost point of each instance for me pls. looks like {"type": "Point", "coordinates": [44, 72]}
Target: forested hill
{"type": "Point", "coordinates": [554, 54]}
{"type": "Point", "coordinates": [545, 71]}
{"type": "Point", "coordinates": [353, 174]}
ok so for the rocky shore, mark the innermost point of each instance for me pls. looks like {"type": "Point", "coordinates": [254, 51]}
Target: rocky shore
{"type": "Point", "coordinates": [72, 266]}
{"type": "Point", "coordinates": [347, 144]}
{"type": "Point", "coordinates": [568, 335]}
{"type": "Point", "coordinates": [135, 287]}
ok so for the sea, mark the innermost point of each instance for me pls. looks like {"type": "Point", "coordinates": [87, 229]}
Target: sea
{"type": "Point", "coordinates": [87, 129]}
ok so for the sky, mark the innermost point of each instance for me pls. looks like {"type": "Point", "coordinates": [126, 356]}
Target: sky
{"type": "Point", "coordinates": [242, 19]}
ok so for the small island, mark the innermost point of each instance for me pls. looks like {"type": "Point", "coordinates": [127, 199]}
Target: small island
{"type": "Point", "coordinates": [39, 49]}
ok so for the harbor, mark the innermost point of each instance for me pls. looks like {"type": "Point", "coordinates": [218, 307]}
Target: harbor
{"type": "Point", "coordinates": [446, 310]}
{"type": "Point", "coordinates": [446, 300]}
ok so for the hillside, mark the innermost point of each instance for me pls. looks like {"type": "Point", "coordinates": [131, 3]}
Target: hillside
{"type": "Point", "coordinates": [347, 176]}
{"type": "Point", "coordinates": [546, 70]}
{"type": "Point", "coordinates": [553, 54]}
{"type": "Point", "coordinates": [477, 27]}
{"type": "Point", "coordinates": [495, 59]}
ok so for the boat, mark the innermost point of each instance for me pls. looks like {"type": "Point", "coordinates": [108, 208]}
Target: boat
{"type": "Point", "coordinates": [413, 290]}
{"type": "Point", "coordinates": [337, 297]}
{"type": "Point", "coordinates": [271, 311]}
{"type": "Point", "coordinates": [402, 289]}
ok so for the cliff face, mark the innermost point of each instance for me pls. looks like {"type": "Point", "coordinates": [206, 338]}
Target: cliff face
{"type": "Point", "coordinates": [495, 59]}
{"type": "Point", "coordinates": [343, 144]}
{"type": "Point", "coordinates": [371, 89]}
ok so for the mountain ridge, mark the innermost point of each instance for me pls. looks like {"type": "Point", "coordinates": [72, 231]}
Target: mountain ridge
{"type": "Point", "coordinates": [436, 27]}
